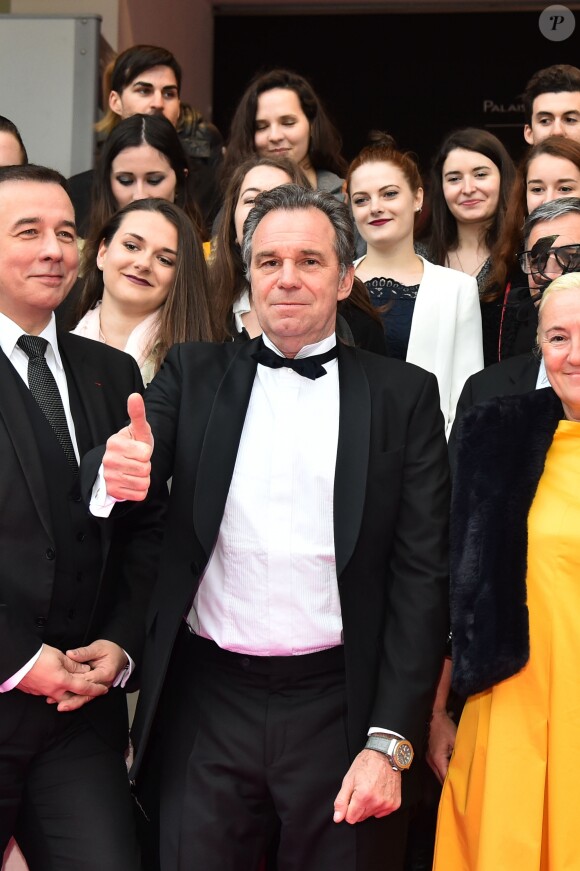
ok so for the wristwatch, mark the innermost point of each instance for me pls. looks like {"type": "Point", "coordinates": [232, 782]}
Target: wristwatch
{"type": "Point", "coordinates": [398, 751]}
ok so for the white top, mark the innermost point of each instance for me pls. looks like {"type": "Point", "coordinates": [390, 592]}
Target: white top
{"type": "Point", "coordinates": [446, 337]}
{"type": "Point", "coordinates": [140, 342]}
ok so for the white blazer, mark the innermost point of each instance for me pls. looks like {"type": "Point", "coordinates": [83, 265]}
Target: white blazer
{"type": "Point", "coordinates": [446, 336]}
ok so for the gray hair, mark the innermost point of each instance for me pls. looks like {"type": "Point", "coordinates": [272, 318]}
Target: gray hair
{"type": "Point", "coordinates": [291, 198]}
{"type": "Point", "coordinates": [548, 212]}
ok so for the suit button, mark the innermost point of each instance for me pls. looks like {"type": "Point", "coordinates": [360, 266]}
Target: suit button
{"type": "Point", "coordinates": [40, 622]}
{"type": "Point", "coordinates": [50, 554]}
{"type": "Point", "coordinates": [194, 568]}
{"type": "Point", "coordinates": [71, 615]}
{"type": "Point", "coordinates": [77, 498]}
{"type": "Point", "coordinates": [80, 536]}
{"type": "Point", "coordinates": [245, 662]}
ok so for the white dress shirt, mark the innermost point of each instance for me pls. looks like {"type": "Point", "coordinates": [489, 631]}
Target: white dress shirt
{"type": "Point", "coordinates": [270, 587]}
{"type": "Point", "coordinates": [9, 335]}
{"type": "Point", "coordinates": [542, 379]}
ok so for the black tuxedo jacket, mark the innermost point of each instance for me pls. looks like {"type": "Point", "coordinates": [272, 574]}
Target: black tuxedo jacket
{"type": "Point", "coordinates": [103, 378]}
{"type": "Point", "coordinates": [508, 378]}
{"type": "Point", "coordinates": [391, 495]}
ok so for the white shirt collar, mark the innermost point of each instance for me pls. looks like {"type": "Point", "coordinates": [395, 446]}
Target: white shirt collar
{"type": "Point", "coordinates": [542, 380]}
{"type": "Point", "coordinates": [308, 350]}
{"type": "Point", "coordinates": [10, 332]}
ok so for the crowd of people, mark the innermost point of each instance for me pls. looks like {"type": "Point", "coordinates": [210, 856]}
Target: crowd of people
{"type": "Point", "coordinates": [342, 515]}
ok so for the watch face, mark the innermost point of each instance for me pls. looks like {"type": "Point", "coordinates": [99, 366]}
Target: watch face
{"type": "Point", "coordinates": [403, 755]}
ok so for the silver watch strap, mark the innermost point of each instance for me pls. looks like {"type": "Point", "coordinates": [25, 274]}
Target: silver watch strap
{"type": "Point", "coordinates": [384, 744]}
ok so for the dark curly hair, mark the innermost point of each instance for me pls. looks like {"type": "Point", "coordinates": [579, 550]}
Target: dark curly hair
{"type": "Point", "coordinates": [551, 80]}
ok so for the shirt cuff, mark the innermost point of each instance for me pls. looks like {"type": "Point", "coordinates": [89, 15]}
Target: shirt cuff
{"type": "Point", "coordinates": [101, 503]}
{"type": "Point", "coordinates": [16, 678]}
{"type": "Point", "coordinates": [377, 730]}
{"type": "Point", "coordinates": [125, 673]}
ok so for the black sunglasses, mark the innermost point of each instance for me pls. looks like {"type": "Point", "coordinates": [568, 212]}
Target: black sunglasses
{"type": "Point", "coordinates": [535, 262]}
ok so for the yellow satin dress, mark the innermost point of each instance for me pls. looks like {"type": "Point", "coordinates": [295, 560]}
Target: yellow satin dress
{"type": "Point", "coordinates": [511, 800]}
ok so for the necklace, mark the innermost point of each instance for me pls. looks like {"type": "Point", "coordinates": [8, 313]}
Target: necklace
{"type": "Point", "coordinates": [477, 268]}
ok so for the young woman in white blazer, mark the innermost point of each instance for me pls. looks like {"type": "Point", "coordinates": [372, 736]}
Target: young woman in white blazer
{"type": "Point", "coordinates": [431, 314]}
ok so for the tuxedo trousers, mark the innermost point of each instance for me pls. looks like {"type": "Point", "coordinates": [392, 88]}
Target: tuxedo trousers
{"type": "Point", "coordinates": [254, 749]}
{"type": "Point", "coordinates": [64, 793]}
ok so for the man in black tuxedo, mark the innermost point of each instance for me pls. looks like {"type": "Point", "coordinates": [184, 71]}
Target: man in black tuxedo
{"type": "Point", "coordinates": [295, 636]}
{"type": "Point", "coordinates": [71, 619]}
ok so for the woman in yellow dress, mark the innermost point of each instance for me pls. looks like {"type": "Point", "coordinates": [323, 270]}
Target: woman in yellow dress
{"type": "Point", "coordinates": [509, 802]}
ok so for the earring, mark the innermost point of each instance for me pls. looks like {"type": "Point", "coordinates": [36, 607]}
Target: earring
{"type": "Point", "coordinates": [419, 209]}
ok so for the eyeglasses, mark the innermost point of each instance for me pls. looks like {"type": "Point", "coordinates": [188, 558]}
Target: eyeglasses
{"type": "Point", "coordinates": [535, 262]}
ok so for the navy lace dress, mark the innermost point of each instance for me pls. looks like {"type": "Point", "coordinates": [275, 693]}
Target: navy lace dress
{"type": "Point", "coordinates": [396, 303]}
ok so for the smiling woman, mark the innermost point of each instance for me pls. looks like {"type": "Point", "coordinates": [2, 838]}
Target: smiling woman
{"type": "Point", "coordinates": [472, 176]}
{"type": "Point", "coordinates": [430, 313]}
{"type": "Point", "coordinates": [146, 286]}
{"type": "Point", "coordinates": [280, 115]}
{"type": "Point", "coordinates": [471, 179]}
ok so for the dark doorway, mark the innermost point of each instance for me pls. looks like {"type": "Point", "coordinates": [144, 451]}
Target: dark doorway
{"type": "Point", "coordinates": [417, 76]}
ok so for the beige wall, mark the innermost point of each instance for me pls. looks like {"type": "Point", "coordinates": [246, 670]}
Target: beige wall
{"type": "Point", "coordinates": [185, 27]}
{"type": "Point", "coordinates": [107, 9]}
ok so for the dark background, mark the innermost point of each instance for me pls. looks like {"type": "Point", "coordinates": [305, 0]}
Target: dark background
{"type": "Point", "coordinates": [417, 76]}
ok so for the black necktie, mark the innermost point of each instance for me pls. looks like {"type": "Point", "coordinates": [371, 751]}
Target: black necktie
{"type": "Point", "coordinates": [310, 367]}
{"type": "Point", "coordinates": [44, 389]}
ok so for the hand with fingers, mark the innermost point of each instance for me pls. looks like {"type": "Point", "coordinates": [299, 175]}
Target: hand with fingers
{"type": "Point", "coordinates": [60, 678]}
{"type": "Point", "coordinates": [370, 788]}
{"type": "Point", "coordinates": [126, 463]}
{"type": "Point", "coordinates": [104, 659]}
{"type": "Point", "coordinates": [442, 733]}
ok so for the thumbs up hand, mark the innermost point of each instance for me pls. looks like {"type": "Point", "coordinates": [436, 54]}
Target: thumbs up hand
{"type": "Point", "coordinates": [126, 463]}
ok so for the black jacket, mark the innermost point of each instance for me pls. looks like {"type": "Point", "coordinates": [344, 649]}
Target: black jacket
{"type": "Point", "coordinates": [500, 455]}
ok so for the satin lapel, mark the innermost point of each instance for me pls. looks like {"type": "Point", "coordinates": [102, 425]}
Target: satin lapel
{"type": "Point", "coordinates": [352, 457]}
{"type": "Point", "coordinates": [20, 431]}
{"type": "Point", "coordinates": [220, 445]}
{"type": "Point", "coordinates": [91, 388]}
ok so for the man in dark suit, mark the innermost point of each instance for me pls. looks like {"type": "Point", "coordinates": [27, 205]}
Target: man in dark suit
{"type": "Point", "coordinates": [295, 636]}
{"type": "Point", "coordinates": [71, 620]}
{"type": "Point", "coordinates": [551, 236]}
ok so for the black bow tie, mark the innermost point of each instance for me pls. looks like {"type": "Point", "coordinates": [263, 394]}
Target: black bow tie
{"type": "Point", "coordinates": [310, 367]}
